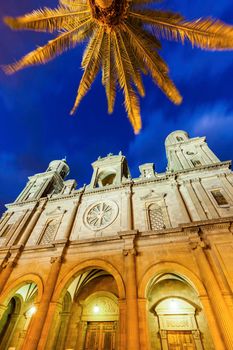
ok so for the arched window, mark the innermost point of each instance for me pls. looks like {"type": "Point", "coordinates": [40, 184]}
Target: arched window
{"type": "Point", "coordinates": [106, 178]}
{"type": "Point", "coordinates": [156, 218]}
{"type": "Point", "coordinates": [179, 138]}
{"type": "Point", "coordinates": [49, 232]}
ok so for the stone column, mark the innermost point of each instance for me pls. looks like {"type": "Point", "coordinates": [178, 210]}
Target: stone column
{"type": "Point", "coordinates": [10, 332]}
{"type": "Point", "coordinates": [51, 310]}
{"type": "Point", "coordinates": [143, 324]}
{"type": "Point", "coordinates": [213, 327]}
{"type": "Point", "coordinates": [20, 227]}
{"type": "Point", "coordinates": [54, 333]}
{"type": "Point", "coordinates": [132, 340]}
{"type": "Point", "coordinates": [220, 309]}
{"type": "Point", "coordinates": [183, 214]}
{"type": "Point", "coordinates": [24, 238]}
{"type": "Point", "coordinates": [34, 334]}
{"type": "Point", "coordinates": [195, 200]}
{"type": "Point", "coordinates": [65, 316]}
{"type": "Point", "coordinates": [182, 159]}
{"type": "Point", "coordinates": [6, 272]}
{"type": "Point", "coordinates": [82, 335]}
{"type": "Point", "coordinates": [177, 164]}
{"type": "Point", "coordinates": [5, 218]}
{"type": "Point", "coordinates": [210, 210]}
{"type": "Point", "coordinates": [129, 209]}
{"type": "Point", "coordinates": [73, 325]}
{"type": "Point", "coordinates": [122, 325]}
{"type": "Point", "coordinates": [197, 339]}
{"type": "Point", "coordinates": [72, 218]}
{"type": "Point", "coordinates": [163, 336]}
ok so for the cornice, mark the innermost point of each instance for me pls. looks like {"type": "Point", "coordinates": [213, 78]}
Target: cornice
{"type": "Point", "coordinates": [160, 178]}
{"type": "Point", "coordinates": [205, 226]}
{"type": "Point", "coordinates": [202, 168]}
{"type": "Point", "coordinates": [200, 139]}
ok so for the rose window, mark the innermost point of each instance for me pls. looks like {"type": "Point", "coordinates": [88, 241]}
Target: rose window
{"type": "Point", "coordinates": [100, 215]}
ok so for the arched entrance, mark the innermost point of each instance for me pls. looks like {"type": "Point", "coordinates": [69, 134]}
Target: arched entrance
{"type": "Point", "coordinates": [87, 317]}
{"type": "Point", "coordinates": [175, 315]}
{"type": "Point", "coordinates": [15, 320]}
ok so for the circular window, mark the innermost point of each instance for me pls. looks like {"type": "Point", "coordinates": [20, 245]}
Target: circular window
{"type": "Point", "coordinates": [100, 215]}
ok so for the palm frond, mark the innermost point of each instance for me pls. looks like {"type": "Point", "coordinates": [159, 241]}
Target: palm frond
{"type": "Point", "coordinates": [53, 48]}
{"type": "Point", "coordinates": [131, 100]}
{"type": "Point", "coordinates": [109, 72]}
{"type": "Point", "coordinates": [47, 20]}
{"type": "Point", "coordinates": [91, 63]}
{"type": "Point", "coordinates": [157, 67]}
{"type": "Point", "coordinates": [130, 62]}
{"type": "Point", "coordinates": [123, 41]}
{"type": "Point", "coordinates": [205, 33]}
{"type": "Point", "coordinates": [74, 4]}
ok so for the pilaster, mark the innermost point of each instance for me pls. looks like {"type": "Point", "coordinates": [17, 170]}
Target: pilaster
{"type": "Point", "coordinates": [223, 317]}
{"type": "Point", "coordinates": [34, 333]}
{"type": "Point", "coordinates": [129, 253]}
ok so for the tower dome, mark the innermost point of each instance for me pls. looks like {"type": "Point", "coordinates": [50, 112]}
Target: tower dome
{"type": "Point", "coordinates": [176, 137]}
{"type": "Point", "coordinates": [59, 166]}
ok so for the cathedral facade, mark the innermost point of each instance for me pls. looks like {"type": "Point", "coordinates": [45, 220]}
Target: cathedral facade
{"type": "Point", "coordinates": [122, 263]}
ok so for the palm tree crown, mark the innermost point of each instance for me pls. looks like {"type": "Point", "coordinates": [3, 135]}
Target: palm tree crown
{"type": "Point", "coordinates": [123, 41]}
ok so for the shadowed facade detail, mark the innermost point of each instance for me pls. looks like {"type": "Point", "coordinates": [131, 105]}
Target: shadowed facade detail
{"type": "Point", "coordinates": [122, 263]}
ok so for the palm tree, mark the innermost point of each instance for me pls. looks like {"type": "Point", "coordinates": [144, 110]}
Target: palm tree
{"type": "Point", "coordinates": [123, 41]}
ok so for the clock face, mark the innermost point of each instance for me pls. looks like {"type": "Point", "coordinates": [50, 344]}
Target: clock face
{"type": "Point", "coordinates": [100, 215]}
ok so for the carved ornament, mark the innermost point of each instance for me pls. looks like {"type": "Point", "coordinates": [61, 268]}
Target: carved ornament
{"type": "Point", "coordinates": [100, 215]}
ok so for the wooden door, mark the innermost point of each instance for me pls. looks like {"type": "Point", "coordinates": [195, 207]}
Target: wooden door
{"type": "Point", "coordinates": [180, 340]}
{"type": "Point", "coordinates": [100, 336]}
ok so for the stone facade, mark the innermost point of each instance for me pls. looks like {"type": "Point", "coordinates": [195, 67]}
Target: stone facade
{"type": "Point", "coordinates": [122, 263]}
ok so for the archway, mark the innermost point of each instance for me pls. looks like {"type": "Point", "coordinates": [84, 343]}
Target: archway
{"type": "Point", "coordinates": [175, 315]}
{"type": "Point", "coordinates": [17, 314]}
{"type": "Point", "coordinates": [89, 314]}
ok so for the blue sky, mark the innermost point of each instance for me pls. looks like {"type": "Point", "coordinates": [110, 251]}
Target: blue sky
{"type": "Point", "coordinates": [34, 104]}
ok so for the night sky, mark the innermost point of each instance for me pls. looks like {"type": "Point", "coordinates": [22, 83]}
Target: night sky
{"type": "Point", "coordinates": [34, 104]}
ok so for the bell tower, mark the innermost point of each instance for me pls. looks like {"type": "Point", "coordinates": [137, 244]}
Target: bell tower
{"type": "Point", "coordinates": [46, 183]}
{"type": "Point", "coordinates": [185, 153]}
{"type": "Point", "coordinates": [109, 170]}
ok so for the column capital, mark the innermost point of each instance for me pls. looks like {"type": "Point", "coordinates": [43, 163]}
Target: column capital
{"type": "Point", "coordinates": [129, 234]}
{"type": "Point", "coordinates": [12, 263]}
{"type": "Point", "coordinates": [132, 251]}
{"type": "Point", "coordinates": [163, 334]}
{"type": "Point", "coordinates": [198, 243]}
{"type": "Point", "coordinates": [58, 259]}
{"type": "Point", "coordinates": [196, 334]}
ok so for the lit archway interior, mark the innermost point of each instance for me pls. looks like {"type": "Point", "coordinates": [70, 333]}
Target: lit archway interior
{"type": "Point", "coordinates": [176, 318]}
{"type": "Point", "coordinates": [88, 317]}
{"type": "Point", "coordinates": [17, 316]}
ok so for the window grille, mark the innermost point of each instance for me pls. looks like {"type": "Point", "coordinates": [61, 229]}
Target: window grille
{"type": "Point", "coordinates": [49, 232]}
{"type": "Point", "coordinates": [156, 218]}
